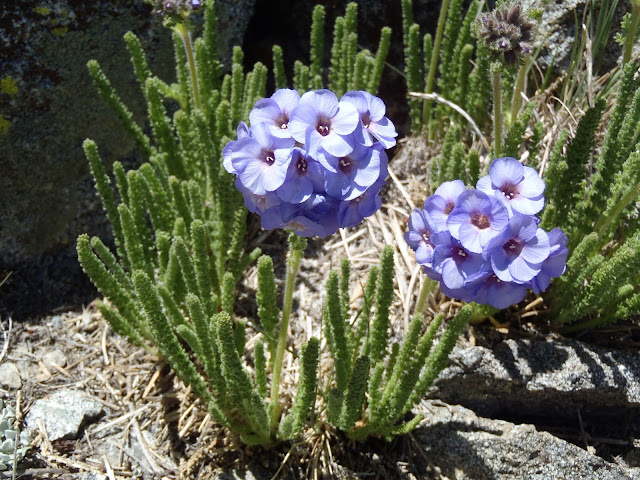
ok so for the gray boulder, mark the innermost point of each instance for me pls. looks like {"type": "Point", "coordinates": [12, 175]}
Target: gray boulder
{"type": "Point", "coordinates": [462, 445]}
{"type": "Point", "coordinates": [48, 106]}
{"type": "Point", "coordinates": [538, 377]}
{"type": "Point", "coordinates": [557, 33]}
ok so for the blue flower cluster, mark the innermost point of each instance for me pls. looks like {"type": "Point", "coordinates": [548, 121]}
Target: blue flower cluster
{"type": "Point", "coordinates": [484, 244]}
{"type": "Point", "coordinates": [314, 163]}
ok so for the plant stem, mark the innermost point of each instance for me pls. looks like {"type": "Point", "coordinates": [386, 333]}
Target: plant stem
{"type": "Point", "coordinates": [631, 34]}
{"type": "Point", "coordinates": [517, 92]}
{"type": "Point", "coordinates": [186, 40]}
{"type": "Point", "coordinates": [497, 113]}
{"type": "Point", "coordinates": [293, 265]}
{"type": "Point", "coordinates": [444, 8]}
{"type": "Point", "coordinates": [427, 288]}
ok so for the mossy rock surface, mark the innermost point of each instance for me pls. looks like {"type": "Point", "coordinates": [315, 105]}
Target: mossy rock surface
{"type": "Point", "coordinates": [48, 106]}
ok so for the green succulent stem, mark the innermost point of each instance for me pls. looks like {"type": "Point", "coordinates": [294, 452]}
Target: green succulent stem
{"type": "Point", "coordinates": [631, 34]}
{"type": "Point", "coordinates": [296, 249]}
{"type": "Point", "coordinates": [427, 287]}
{"type": "Point", "coordinates": [185, 35]}
{"type": "Point", "coordinates": [517, 91]}
{"type": "Point", "coordinates": [496, 81]}
{"type": "Point", "coordinates": [434, 59]}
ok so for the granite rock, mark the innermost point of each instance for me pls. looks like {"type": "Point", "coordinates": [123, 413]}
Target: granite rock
{"type": "Point", "coordinates": [557, 33]}
{"type": "Point", "coordinates": [462, 445]}
{"type": "Point", "coordinates": [63, 414]}
{"type": "Point", "coordinates": [546, 378]}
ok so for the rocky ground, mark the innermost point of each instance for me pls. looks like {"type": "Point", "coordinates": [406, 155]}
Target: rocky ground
{"type": "Point", "coordinates": [517, 401]}
{"type": "Point", "coordinates": [97, 408]}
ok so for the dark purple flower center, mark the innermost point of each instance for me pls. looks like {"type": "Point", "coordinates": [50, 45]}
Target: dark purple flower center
{"type": "Point", "coordinates": [513, 247]}
{"type": "Point", "coordinates": [459, 255]}
{"type": "Point", "coordinates": [509, 191]}
{"type": "Point", "coordinates": [480, 220]}
{"type": "Point", "coordinates": [345, 164]}
{"type": "Point", "coordinates": [366, 119]}
{"type": "Point", "coordinates": [426, 237]}
{"type": "Point", "coordinates": [282, 121]}
{"type": "Point", "coordinates": [449, 207]}
{"type": "Point", "coordinates": [302, 165]}
{"type": "Point", "coordinates": [268, 157]}
{"type": "Point", "coordinates": [323, 126]}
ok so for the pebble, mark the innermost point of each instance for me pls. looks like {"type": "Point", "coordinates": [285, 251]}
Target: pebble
{"type": "Point", "coordinates": [56, 357]}
{"type": "Point", "coordinates": [63, 414]}
{"type": "Point", "coordinates": [10, 376]}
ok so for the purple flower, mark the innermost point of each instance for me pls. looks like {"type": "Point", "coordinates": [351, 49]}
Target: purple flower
{"type": "Point", "coordinates": [443, 201]}
{"type": "Point", "coordinates": [421, 229]}
{"type": "Point", "coordinates": [519, 187]}
{"type": "Point", "coordinates": [348, 176]}
{"type": "Point", "coordinates": [476, 219]}
{"type": "Point", "coordinates": [352, 212]}
{"type": "Point", "coordinates": [276, 111]}
{"type": "Point", "coordinates": [372, 119]}
{"type": "Point", "coordinates": [320, 121]}
{"type": "Point", "coordinates": [304, 176]}
{"type": "Point", "coordinates": [317, 216]}
{"type": "Point", "coordinates": [257, 203]}
{"type": "Point", "coordinates": [464, 294]}
{"type": "Point", "coordinates": [242, 131]}
{"type": "Point", "coordinates": [516, 254]}
{"type": "Point", "coordinates": [453, 261]}
{"type": "Point", "coordinates": [495, 292]}
{"type": "Point", "coordinates": [556, 264]}
{"type": "Point", "coordinates": [261, 160]}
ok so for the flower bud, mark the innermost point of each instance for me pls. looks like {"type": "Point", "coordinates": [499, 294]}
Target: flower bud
{"type": "Point", "coordinates": [507, 31]}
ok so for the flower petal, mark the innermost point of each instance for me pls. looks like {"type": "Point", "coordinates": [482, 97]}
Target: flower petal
{"type": "Point", "coordinates": [346, 119]}
{"type": "Point", "coordinates": [532, 185]}
{"type": "Point", "coordinates": [325, 102]}
{"type": "Point", "coordinates": [303, 118]}
{"type": "Point", "coordinates": [506, 171]}
{"type": "Point", "coordinates": [337, 145]}
{"type": "Point", "coordinates": [286, 99]}
{"type": "Point", "coordinates": [522, 271]}
{"type": "Point", "coordinates": [536, 250]}
{"type": "Point", "coordinates": [265, 110]}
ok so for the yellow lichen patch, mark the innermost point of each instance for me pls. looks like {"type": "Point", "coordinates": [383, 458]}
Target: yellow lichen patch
{"type": "Point", "coordinates": [8, 85]}
{"type": "Point", "coordinates": [4, 125]}
{"type": "Point", "coordinates": [60, 31]}
{"type": "Point", "coordinates": [42, 10]}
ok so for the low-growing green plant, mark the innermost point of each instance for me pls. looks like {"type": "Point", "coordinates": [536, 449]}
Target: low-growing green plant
{"type": "Point", "coordinates": [597, 207]}
{"type": "Point", "coordinates": [179, 224]}
{"type": "Point", "coordinates": [591, 187]}
{"type": "Point", "coordinates": [446, 61]}
{"type": "Point", "coordinates": [375, 384]}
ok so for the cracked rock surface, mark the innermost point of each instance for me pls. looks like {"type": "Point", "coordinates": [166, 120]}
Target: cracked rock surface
{"type": "Point", "coordinates": [463, 445]}
{"type": "Point", "coordinates": [541, 377]}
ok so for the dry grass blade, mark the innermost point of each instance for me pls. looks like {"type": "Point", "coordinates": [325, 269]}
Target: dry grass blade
{"type": "Point", "coordinates": [457, 108]}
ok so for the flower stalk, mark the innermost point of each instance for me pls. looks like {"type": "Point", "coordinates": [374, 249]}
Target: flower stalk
{"type": "Point", "coordinates": [185, 35]}
{"type": "Point", "coordinates": [296, 249]}
{"type": "Point", "coordinates": [427, 287]}
{"type": "Point", "coordinates": [434, 59]}
{"type": "Point", "coordinates": [517, 91]}
{"type": "Point", "coordinates": [633, 29]}
{"type": "Point", "coordinates": [497, 112]}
